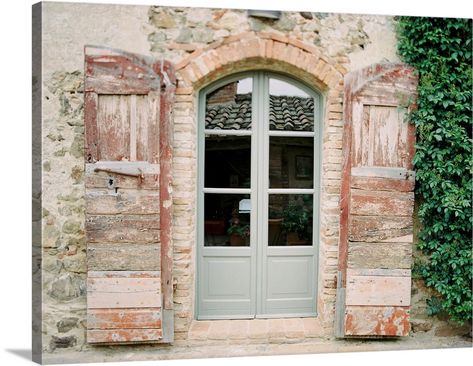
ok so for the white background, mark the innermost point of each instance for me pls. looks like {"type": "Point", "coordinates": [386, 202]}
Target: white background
{"type": "Point", "coordinates": [15, 174]}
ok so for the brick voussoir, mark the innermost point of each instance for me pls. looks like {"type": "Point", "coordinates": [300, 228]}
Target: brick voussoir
{"type": "Point", "coordinates": [279, 37]}
{"type": "Point", "coordinates": [268, 48]}
{"type": "Point", "coordinates": [278, 50]}
{"type": "Point", "coordinates": [188, 59]}
{"type": "Point", "coordinates": [239, 37]}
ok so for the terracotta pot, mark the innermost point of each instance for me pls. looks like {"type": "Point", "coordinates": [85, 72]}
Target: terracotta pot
{"type": "Point", "coordinates": [293, 238]}
{"type": "Point", "coordinates": [237, 240]}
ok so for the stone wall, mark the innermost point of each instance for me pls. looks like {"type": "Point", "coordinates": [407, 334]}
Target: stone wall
{"type": "Point", "coordinates": [180, 35]}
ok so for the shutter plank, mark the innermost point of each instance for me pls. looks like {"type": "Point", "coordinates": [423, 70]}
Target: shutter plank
{"type": "Point", "coordinates": [125, 167]}
{"type": "Point", "coordinates": [381, 172]}
{"type": "Point", "coordinates": [148, 111]}
{"type": "Point", "coordinates": [113, 125]}
{"type": "Point", "coordinates": [373, 203]}
{"type": "Point", "coordinates": [379, 255]}
{"type": "Point", "coordinates": [118, 72]}
{"type": "Point", "coordinates": [377, 321]}
{"type": "Point", "coordinates": [124, 274]}
{"type": "Point", "coordinates": [123, 256]}
{"type": "Point", "coordinates": [110, 85]}
{"type": "Point", "coordinates": [121, 201]}
{"type": "Point", "coordinates": [90, 122]}
{"type": "Point", "coordinates": [122, 284]}
{"type": "Point", "coordinates": [382, 184]}
{"type": "Point", "coordinates": [103, 179]}
{"type": "Point", "coordinates": [137, 299]}
{"type": "Point", "coordinates": [378, 290]}
{"type": "Point", "coordinates": [165, 190]}
{"type": "Point", "coordinates": [123, 335]}
{"type": "Point", "coordinates": [379, 272]}
{"type": "Point", "coordinates": [124, 318]}
{"type": "Point", "coordinates": [379, 228]}
{"type": "Point", "coordinates": [122, 229]}
{"type": "Point", "coordinates": [121, 174]}
{"type": "Point", "coordinates": [123, 293]}
{"type": "Point", "coordinates": [389, 135]}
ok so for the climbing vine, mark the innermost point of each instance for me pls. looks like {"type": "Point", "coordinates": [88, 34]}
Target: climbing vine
{"type": "Point", "coordinates": [441, 51]}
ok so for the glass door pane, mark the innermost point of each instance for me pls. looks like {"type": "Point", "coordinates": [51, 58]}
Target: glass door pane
{"type": "Point", "coordinates": [227, 161]}
{"type": "Point", "coordinates": [290, 108]}
{"type": "Point", "coordinates": [291, 162]}
{"type": "Point", "coordinates": [229, 107]}
{"type": "Point", "coordinates": [227, 220]}
{"type": "Point", "coordinates": [290, 219]}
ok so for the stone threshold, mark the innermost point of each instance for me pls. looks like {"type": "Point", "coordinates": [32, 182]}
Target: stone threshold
{"type": "Point", "coordinates": [287, 330]}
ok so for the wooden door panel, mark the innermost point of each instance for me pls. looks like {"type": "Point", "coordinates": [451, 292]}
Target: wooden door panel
{"type": "Point", "coordinates": [290, 286]}
{"type": "Point", "coordinates": [226, 287]}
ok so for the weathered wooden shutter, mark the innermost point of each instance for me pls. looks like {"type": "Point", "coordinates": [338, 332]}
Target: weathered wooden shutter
{"type": "Point", "coordinates": [128, 100]}
{"type": "Point", "coordinates": [377, 201]}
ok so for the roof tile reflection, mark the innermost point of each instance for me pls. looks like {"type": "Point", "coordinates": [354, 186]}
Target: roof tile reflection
{"type": "Point", "coordinates": [286, 113]}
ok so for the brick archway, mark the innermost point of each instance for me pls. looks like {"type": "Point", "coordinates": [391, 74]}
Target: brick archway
{"type": "Point", "coordinates": [250, 51]}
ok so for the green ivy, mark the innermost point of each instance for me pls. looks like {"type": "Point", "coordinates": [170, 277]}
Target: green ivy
{"type": "Point", "coordinates": [441, 51]}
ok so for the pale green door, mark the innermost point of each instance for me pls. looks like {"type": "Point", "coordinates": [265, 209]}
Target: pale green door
{"type": "Point", "coordinates": [259, 157]}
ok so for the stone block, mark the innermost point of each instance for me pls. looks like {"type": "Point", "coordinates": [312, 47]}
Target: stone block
{"type": "Point", "coordinates": [162, 19]}
{"type": "Point", "coordinates": [239, 329]}
{"type": "Point", "coordinates": [67, 287]}
{"type": "Point", "coordinates": [62, 342]}
{"type": "Point", "coordinates": [258, 329]}
{"type": "Point", "coordinates": [277, 329]}
{"type": "Point", "coordinates": [218, 330]}
{"type": "Point", "coordinates": [294, 328]}
{"type": "Point", "coordinates": [450, 330]}
{"type": "Point", "coordinates": [66, 324]}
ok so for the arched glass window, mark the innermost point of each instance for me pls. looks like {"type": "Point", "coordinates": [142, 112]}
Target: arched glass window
{"type": "Point", "coordinates": [259, 163]}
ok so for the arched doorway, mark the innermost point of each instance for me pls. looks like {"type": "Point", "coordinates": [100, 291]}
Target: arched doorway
{"type": "Point", "coordinates": [258, 197]}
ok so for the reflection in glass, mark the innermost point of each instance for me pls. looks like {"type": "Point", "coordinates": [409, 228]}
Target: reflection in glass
{"type": "Point", "coordinates": [227, 220]}
{"type": "Point", "coordinates": [290, 108]}
{"type": "Point", "coordinates": [229, 107]}
{"type": "Point", "coordinates": [227, 161]}
{"type": "Point", "coordinates": [290, 219]}
{"type": "Point", "coordinates": [291, 162]}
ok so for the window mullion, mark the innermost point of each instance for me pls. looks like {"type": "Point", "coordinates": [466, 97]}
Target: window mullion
{"type": "Point", "coordinates": [290, 191]}
{"type": "Point", "coordinates": [227, 190]}
{"type": "Point", "coordinates": [228, 132]}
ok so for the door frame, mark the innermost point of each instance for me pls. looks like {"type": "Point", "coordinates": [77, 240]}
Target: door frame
{"type": "Point", "coordinates": [259, 183]}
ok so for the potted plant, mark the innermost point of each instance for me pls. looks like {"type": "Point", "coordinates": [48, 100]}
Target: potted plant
{"type": "Point", "coordinates": [238, 234]}
{"type": "Point", "coordinates": [294, 224]}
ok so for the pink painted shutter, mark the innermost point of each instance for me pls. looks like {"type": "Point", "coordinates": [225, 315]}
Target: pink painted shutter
{"type": "Point", "coordinates": [377, 201]}
{"type": "Point", "coordinates": [128, 100]}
